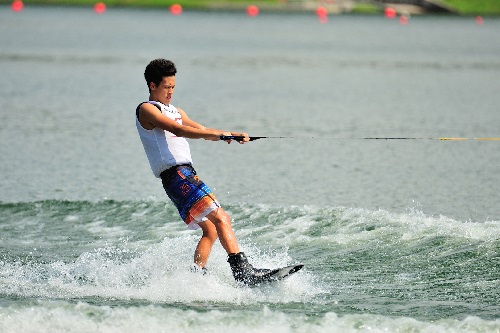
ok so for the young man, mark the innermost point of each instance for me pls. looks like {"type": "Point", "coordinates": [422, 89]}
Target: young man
{"type": "Point", "coordinates": [163, 129]}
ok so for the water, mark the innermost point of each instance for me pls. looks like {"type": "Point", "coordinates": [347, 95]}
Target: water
{"type": "Point", "coordinates": [398, 236]}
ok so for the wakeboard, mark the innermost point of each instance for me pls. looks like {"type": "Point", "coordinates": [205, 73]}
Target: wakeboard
{"type": "Point", "coordinates": [281, 273]}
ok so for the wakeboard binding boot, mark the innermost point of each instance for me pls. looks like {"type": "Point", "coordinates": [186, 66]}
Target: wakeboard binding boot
{"type": "Point", "coordinates": [245, 273]}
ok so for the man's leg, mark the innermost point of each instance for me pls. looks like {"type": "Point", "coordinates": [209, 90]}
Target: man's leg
{"type": "Point", "coordinates": [242, 270]}
{"type": "Point", "coordinates": [205, 244]}
{"type": "Point", "coordinates": [222, 223]}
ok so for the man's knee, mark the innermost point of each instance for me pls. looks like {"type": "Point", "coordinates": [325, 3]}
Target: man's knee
{"type": "Point", "coordinates": [219, 217]}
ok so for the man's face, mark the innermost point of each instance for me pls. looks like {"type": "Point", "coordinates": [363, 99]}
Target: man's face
{"type": "Point", "coordinates": [164, 91]}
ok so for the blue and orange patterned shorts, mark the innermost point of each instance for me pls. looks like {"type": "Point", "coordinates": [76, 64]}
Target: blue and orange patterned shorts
{"type": "Point", "coordinates": [194, 200]}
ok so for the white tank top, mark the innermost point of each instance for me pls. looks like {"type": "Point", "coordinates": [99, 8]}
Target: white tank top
{"type": "Point", "coordinates": [163, 148]}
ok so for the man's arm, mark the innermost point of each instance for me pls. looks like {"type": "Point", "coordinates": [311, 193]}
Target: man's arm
{"type": "Point", "coordinates": [150, 117]}
{"type": "Point", "coordinates": [189, 122]}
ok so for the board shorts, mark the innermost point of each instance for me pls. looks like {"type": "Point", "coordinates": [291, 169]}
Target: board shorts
{"type": "Point", "coordinates": [194, 200]}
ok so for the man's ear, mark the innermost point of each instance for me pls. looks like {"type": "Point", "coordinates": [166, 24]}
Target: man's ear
{"type": "Point", "coordinates": [152, 86]}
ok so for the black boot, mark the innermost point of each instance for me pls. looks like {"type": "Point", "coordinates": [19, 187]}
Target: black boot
{"type": "Point", "coordinates": [244, 272]}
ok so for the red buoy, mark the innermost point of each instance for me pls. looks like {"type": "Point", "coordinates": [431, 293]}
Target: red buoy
{"type": "Point", "coordinates": [322, 14]}
{"type": "Point", "coordinates": [390, 12]}
{"type": "Point", "coordinates": [321, 11]}
{"type": "Point", "coordinates": [17, 5]}
{"type": "Point", "coordinates": [100, 7]}
{"type": "Point", "coordinates": [176, 9]}
{"type": "Point", "coordinates": [252, 10]}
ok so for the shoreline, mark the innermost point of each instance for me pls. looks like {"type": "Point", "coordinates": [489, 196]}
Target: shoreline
{"type": "Point", "coordinates": [334, 7]}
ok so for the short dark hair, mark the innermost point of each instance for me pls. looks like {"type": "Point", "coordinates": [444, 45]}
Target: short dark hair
{"type": "Point", "coordinates": [157, 69]}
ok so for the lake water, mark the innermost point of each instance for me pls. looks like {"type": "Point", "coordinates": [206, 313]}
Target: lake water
{"type": "Point", "coordinates": [396, 235]}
